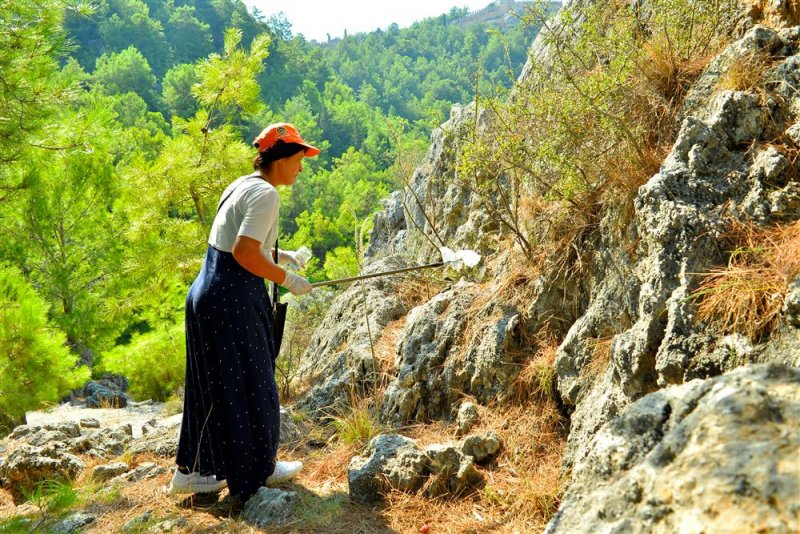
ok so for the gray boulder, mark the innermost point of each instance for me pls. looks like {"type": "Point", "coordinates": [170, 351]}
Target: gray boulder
{"type": "Point", "coordinates": [72, 523]}
{"type": "Point", "coordinates": [43, 437]}
{"type": "Point", "coordinates": [104, 394]}
{"type": "Point", "coordinates": [467, 418]}
{"type": "Point", "coordinates": [290, 432]}
{"type": "Point", "coordinates": [392, 461]}
{"type": "Point", "coordinates": [482, 447]}
{"type": "Point", "coordinates": [643, 305]}
{"type": "Point", "coordinates": [162, 441]}
{"type": "Point", "coordinates": [438, 360]}
{"type": "Point", "coordinates": [271, 507]}
{"type": "Point", "coordinates": [700, 457]}
{"type": "Point", "coordinates": [452, 472]}
{"type": "Point", "coordinates": [89, 422]}
{"type": "Point", "coordinates": [140, 472]}
{"type": "Point", "coordinates": [27, 465]}
{"type": "Point", "coordinates": [791, 304]}
{"type": "Point", "coordinates": [339, 356]}
{"type": "Point", "coordinates": [108, 471]}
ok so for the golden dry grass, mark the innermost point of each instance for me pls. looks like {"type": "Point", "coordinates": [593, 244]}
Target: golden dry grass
{"type": "Point", "coordinates": [601, 357]}
{"type": "Point", "coordinates": [745, 73]}
{"type": "Point", "coordinates": [747, 296]}
{"type": "Point", "coordinates": [522, 485]}
{"type": "Point", "coordinates": [537, 376]}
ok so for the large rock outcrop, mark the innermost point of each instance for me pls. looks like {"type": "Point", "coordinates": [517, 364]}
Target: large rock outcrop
{"type": "Point", "coordinates": [339, 359]}
{"type": "Point", "coordinates": [438, 359]}
{"type": "Point", "coordinates": [720, 169]}
{"type": "Point", "coordinates": [713, 455]}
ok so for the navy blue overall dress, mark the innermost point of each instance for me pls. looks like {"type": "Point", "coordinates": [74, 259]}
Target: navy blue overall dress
{"type": "Point", "coordinates": [231, 416]}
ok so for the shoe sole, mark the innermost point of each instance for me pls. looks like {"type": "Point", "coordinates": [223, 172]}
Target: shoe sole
{"type": "Point", "coordinates": [286, 478]}
{"type": "Point", "coordinates": [173, 490]}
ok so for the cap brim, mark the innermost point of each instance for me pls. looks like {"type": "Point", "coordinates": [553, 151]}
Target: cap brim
{"type": "Point", "coordinates": [310, 151]}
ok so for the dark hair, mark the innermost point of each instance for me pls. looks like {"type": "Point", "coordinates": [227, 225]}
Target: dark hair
{"type": "Point", "coordinates": [277, 151]}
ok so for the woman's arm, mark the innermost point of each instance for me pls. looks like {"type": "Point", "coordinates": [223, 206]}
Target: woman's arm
{"type": "Point", "coordinates": [247, 251]}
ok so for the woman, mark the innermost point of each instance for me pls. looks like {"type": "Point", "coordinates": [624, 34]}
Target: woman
{"type": "Point", "coordinates": [231, 418]}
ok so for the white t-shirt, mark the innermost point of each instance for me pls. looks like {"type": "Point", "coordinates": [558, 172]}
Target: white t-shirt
{"type": "Point", "coordinates": [252, 211]}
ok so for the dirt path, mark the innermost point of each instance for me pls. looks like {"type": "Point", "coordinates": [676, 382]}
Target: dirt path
{"type": "Point", "coordinates": [135, 414]}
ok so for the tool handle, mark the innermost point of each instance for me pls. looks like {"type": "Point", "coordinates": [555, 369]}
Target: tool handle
{"type": "Point", "coordinates": [375, 275]}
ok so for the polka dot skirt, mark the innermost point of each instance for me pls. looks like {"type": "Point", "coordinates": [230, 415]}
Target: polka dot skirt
{"type": "Point", "coordinates": [231, 415]}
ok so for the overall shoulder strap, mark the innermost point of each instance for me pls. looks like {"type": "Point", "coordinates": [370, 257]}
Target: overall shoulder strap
{"type": "Point", "coordinates": [233, 190]}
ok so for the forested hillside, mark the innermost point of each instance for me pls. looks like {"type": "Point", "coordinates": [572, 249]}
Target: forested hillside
{"type": "Point", "coordinates": [123, 120]}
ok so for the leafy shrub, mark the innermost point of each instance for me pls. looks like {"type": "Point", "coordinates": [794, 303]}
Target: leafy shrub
{"type": "Point", "coordinates": [35, 364]}
{"type": "Point", "coordinates": [591, 122]}
{"type": "Point", "coordinates": [154, 362]}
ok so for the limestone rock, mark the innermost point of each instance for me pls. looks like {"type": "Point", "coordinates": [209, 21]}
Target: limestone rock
{"type": "Point", "coordinates": [163, 442]}
{"type": "Point", "coordinates": [697, 457]}
{"type": "Point", "coordinates": [27, 465]}
{"type": "Point", "coordinates": [43, 437]}
{"type": "Point", "coordinates": [89, 422]}
{"type": "Point", "coordinates": [452, 472]}
{"type": "Point", "coordinates": [467, 418]}
{"type": "Point", "coordinates": [338, 358]}
{"type": "Point", "coordinates": [791, 304]}
{"type": "Point", "coordinates": [136, 524]}
{"type": "Point", "coordinates": [108, 471]}
{"type": "Point", "coordinates": [438, 360]}
{"type": "Point", "coordinates": [290, 433]}
{"type": "Point", "coordinates": [141, 472]}
{"type": "Point", "coordinates": [104, 394]}
{"type": "Point", "coordinates": [72, 523]}
{"type": "Point", "coordinates": [270, 507]}
{"type": "Point", "coordinates": [392, 461]}
{"type": "Point", "coordinates": [168, 525]}
{"type": "Point", "coordinates": [644, 307]}
{"type": "Point", "coordinates": [482, 447]}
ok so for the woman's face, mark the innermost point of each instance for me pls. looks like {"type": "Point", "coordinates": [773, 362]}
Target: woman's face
{"type": "Point", "coordinates": [287, 169]}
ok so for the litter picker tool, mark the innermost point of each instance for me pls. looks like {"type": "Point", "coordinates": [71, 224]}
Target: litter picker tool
{"type": "Point", "coordinates": [456, 260]}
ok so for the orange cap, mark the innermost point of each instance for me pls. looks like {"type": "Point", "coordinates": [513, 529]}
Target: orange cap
{"type": "Point", "coordinates": [282, 131]}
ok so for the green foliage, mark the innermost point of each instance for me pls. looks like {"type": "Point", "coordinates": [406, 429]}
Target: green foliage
{"type": "Point", "coordinates": [31, 41]}
{"type": "Point", "coordinates": [341, 262]}
{"type": "Point", "coordinates": [125, 23]}
{"type": "Point", "coordinates": [228, 79]}
{"type": "Point", "coordinates": [117, 159]}
{"type": "Point", "coordinates": [126, 71]}
{"type": "Point", "coordinates": [154, 362]}
{"type": "Point", "coordinates": [52, 497]}
{"type": "Point", "coordinates": [189, 37]}
{"type": "Point", "coordinates": [592, 122]}
{"type": "Point", "coordinates": [176, 90]}
{"type": "Point", "coordinates": [35, 364]}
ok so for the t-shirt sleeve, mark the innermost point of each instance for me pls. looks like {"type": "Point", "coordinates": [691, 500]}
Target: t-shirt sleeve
{"type": "Point", "coordinates": [260, 213]}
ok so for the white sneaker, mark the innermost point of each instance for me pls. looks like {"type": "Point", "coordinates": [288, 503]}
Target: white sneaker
{"type": "Point", "coordinates": [284, 471]}
{"type": "Point", "coordinates": [195, 483]}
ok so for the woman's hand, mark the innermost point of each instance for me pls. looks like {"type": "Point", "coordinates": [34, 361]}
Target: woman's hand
{"type": "Point", "coordinates": [296, 284]}
{"type": "Point", "coordinates": [292, 259]}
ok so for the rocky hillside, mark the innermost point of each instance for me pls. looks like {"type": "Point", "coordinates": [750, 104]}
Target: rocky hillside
{"type": "Point", "coordinates": [651, 380]}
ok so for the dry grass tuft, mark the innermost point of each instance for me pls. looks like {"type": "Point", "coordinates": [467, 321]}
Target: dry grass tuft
{"type": "Point", "coordinates": [537, 379]}
{"type": "Point", "coordinates": [747, 295]}
{"type": "Point", "coordinates": [746, 73]}
{"type": "Point", "coordinates": [666, 74]}
{"type": "Point", "coordinates": [601, 357]}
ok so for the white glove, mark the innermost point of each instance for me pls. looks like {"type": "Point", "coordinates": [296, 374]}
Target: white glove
{"type": "Point", "coordinates": [296, 284]}
{"type": "Point", "coordinates": [296, 259]}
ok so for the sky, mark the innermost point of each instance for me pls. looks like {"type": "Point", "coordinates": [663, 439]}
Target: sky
{"type": "Point", "coordinates": [316, 18]}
